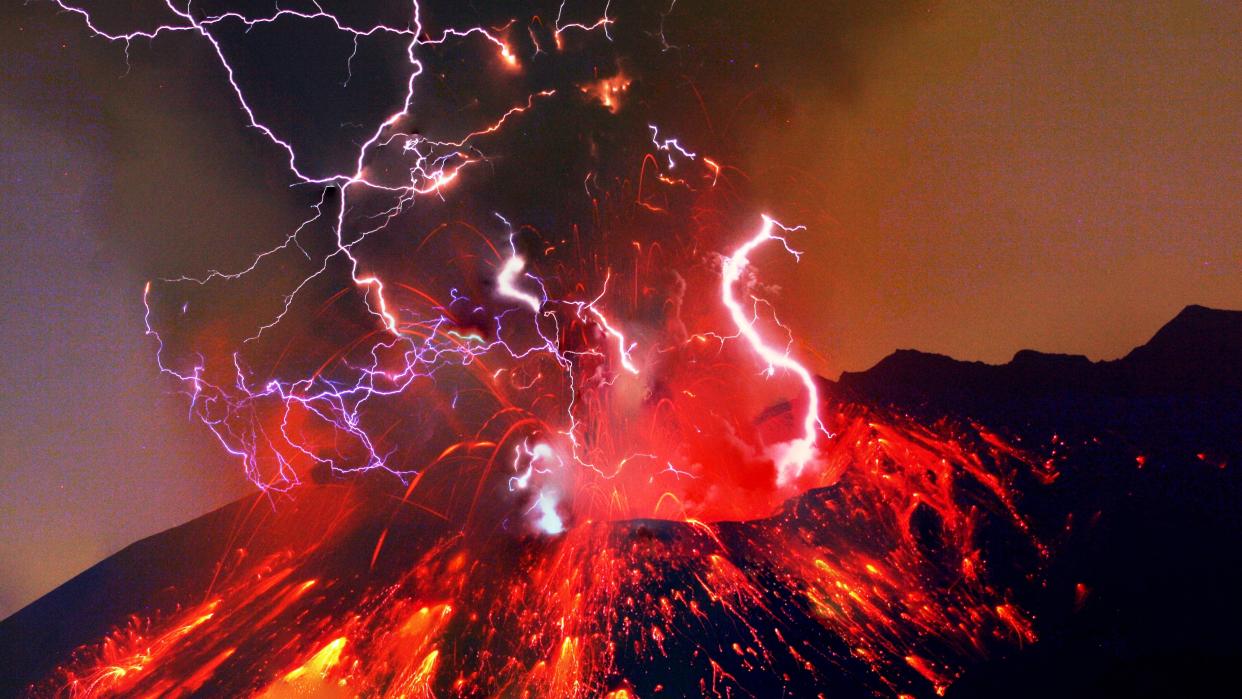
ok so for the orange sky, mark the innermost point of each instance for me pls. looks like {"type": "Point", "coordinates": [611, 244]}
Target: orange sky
{"type": "Point", "coordinates": [1063, 177]}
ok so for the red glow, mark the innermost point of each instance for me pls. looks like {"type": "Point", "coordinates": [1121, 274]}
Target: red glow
{"type": "Point", "coordinates": [530, 449]}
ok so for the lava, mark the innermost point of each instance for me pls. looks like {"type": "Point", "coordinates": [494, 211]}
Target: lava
{"type": "Point", "coordinates": [874, 582]}
{"type": "Point", "coordinates": [525, 441]}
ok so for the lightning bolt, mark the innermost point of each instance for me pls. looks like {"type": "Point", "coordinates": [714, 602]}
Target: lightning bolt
{"type": "Point", "coordinates": [231, 408]}
{"type": "Point", "coordinates": [793, 456]}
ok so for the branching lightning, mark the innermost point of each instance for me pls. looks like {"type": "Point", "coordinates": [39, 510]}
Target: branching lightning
{"type": "Point", "coordinates": [571, 390]}
{"type": "Point", "coordinates": [795, 455]}
{"type": "Point", "coordinates": [426, 345]}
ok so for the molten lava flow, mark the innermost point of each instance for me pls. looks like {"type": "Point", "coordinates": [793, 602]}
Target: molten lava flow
{"type": "Point", "coordinates": [520, 463]}
{"type": "Point", "coordinates": [876, 582]}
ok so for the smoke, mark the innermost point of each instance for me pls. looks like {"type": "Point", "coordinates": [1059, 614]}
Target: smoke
{"type": "Point", "coordinates": [805, 104]}
{"type": "Point", "coordinates": [192, 196]}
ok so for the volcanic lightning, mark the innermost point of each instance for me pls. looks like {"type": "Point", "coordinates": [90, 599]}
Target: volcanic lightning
{"type": "Point", "coordinates": [562, 420]}
{"type": "Point", "coordinates": [792, 457]}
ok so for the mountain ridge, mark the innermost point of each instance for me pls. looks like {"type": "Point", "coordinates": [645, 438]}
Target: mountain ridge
{"type": "Point", "coordinates": [1195, 352]}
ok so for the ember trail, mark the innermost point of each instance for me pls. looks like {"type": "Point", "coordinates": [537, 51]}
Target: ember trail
{"type": "Point", "coordinates": [521, 353]}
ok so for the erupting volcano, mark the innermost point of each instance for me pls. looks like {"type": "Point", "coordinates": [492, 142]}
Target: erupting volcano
{"type": "Point", "coordinates": [523, 418]}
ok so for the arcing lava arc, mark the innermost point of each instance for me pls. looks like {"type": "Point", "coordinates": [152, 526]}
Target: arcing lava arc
{"type": "Point", "coordinates": [510, 387]}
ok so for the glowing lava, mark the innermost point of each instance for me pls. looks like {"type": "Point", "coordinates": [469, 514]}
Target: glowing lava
{"type": "Point", "coordinates": [488, 481]}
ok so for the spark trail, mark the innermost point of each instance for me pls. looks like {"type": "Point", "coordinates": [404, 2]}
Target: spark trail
{"type": "Point", "coordinates": [534, 390]}
{"type": "Point", "coordinates": [434, 166]}
{"type": "Point", "coordinates": [427, 344]}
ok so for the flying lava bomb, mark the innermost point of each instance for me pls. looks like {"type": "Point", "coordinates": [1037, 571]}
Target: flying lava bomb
{"type": "Point", "coordinates": [518, 403]}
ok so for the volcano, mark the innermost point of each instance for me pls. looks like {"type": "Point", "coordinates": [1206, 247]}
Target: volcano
{"type": "Point", "coordinates": [1048, 527]}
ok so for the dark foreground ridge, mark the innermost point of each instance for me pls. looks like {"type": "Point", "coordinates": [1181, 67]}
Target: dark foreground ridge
{"type": "Point", "coordinates": [1195, 353]}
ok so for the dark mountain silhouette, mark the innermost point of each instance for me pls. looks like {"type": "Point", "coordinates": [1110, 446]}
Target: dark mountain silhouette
{"type": "Point", "coordinates": [1196, 353]}
{"type": "Point", "coordinates": [1180, 390]}
{"type": "Point", "coordinates": [1199, 350]}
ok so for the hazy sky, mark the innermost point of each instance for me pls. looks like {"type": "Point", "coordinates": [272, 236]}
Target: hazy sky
{"type": "Point", "coordinates": [1061, 176]}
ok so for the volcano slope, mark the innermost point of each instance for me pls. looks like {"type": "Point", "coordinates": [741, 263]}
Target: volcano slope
{"type": "Point", "coordinates": [1052, 526]}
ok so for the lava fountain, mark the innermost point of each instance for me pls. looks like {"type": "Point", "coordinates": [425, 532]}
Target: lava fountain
{"type": "Point", "coordinates": [525, 419]}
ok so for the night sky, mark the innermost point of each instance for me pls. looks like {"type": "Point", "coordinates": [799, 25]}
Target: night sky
{"type": "Point", "coordinates": [974, 181]}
